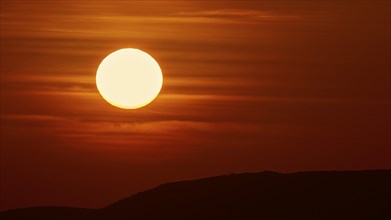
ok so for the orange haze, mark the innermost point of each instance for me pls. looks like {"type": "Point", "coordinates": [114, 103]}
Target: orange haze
{"type": "Point", "coordinates": [249, 86]}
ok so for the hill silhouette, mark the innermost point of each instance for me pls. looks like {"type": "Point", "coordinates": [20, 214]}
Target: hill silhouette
{"type": "Point", "coordinates": [265, 195]}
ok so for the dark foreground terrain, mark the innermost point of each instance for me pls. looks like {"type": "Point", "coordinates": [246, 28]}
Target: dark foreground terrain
{"type": "Point", "coordinates": [266, 195]}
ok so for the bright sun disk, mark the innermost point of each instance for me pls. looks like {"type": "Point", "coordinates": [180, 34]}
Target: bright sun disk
{"type": "Point", "coordinates": [129, 78]}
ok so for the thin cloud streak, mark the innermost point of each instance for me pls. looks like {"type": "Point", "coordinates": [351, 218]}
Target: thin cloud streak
{"type": "Point", "coordinates": [242, 15]}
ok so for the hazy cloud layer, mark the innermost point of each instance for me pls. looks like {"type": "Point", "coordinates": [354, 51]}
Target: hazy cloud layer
{"type": "Point", "coordinates": [248, 85]}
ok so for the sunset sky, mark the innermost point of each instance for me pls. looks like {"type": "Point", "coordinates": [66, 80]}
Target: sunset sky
{"type": "Point", "coordinates": [248, 86]}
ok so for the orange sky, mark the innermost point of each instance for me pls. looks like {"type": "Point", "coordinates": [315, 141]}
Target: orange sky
{"type": "Point", "coordinates": [248, 86]}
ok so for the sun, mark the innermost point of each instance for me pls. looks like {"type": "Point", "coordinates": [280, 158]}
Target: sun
{"type": "Point", "coordinates": [129, 78]}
